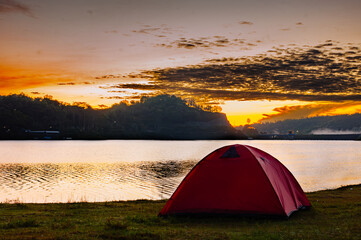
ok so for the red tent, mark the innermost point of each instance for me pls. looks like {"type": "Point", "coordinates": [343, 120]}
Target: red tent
{"type": "Point", "coordinates": [238, 179]}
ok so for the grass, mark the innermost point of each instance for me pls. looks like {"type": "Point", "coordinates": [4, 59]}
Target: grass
{"type": "Point", "coordinates": [336, 214]}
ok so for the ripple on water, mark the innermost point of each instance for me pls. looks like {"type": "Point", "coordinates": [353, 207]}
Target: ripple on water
{"type": "Point", "coordinates": [66, 171]}
{"type": "Point", "coordinates": [64, 182]}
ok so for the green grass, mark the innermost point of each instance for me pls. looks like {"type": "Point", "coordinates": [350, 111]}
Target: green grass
{"type": "Point", "coordinates": [336, 214]}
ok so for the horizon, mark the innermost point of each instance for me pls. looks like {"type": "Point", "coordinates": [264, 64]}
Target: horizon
{"type": "Point", "coordinates": [190, 103]}
{"type": "Point", "coordinates": [257, 60]}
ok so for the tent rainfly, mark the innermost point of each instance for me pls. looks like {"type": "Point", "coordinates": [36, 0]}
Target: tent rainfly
{"type": "Point", "coordinates": [238, 179]}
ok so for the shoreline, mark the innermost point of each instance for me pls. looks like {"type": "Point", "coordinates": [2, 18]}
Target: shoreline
{"type": "Point", "coordinates": [334, 213]}
{"type": "Point", "coordinates": [150, 200]}
{"type": "Point", "coordinates": [208, 139]}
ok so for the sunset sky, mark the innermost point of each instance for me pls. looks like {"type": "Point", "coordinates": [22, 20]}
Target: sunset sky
{"type": "Point", "coordinates": [264, 59]}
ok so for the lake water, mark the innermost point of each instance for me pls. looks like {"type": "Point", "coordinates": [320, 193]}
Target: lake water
{"type": "Point", "coordinates": [69, 171]}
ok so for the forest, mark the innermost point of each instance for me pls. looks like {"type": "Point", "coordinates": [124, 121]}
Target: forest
{"type": "Point", "coordinates": [159, 117]}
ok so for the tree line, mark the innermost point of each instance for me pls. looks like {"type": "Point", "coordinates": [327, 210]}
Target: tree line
{"type": "Point", "coordinates": [334, 124]}
{"type": "Point", "coordinates": [159, 117]}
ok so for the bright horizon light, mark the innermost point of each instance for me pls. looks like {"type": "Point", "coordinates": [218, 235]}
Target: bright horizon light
{"type": "Point", "coordinates": [103, 52]}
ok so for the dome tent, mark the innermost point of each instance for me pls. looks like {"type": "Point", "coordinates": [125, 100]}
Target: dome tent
{"type": "Point", "coordinates": [238, 179]}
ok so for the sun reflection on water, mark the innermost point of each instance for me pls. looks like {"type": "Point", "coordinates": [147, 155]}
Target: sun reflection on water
{"type": "Point", "coordinates": [72, 171]}
{"type": "Point", "coordinates": [72, 182]}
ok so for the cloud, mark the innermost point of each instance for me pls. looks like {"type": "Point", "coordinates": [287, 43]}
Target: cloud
{"type": "Point", "coordinates": [14, 80]}
{"type": "Point", "coordinates": [9, 82]}
{"type": "Point", "coordinates": [110, 76]}
{"type": "Point", "coordinates": [66, 83]}
{"type": "Point", "coordinates": [246, 23]}
{"type": "Point", "coordinates": [158, 31]}
{"type": "Point", "coordinates": [73, 83]}
{"type": "Point", "coordinates": [312, 110]}
{"type": "Point", "coordinates": [118, 91]}
{"type": "Point", "coordinates": [208, 42]}
{"type": "Point", "coordinates": [299, 23]}
{"type": "Point", "coordinates": [113, 97]}
{"type": "Point", "coordinates": [217, 41]}
{"type": "Point", "coordinates": [322, 131]}
{"type": "Point", "coordinates": [146, 30]}
{"type": "Point", "coordinates": [166, 36]}
{"type": "Point", "coordinates": [134, 96]}
{"type": "Point", "coordinates": [293, 112]}
{"type": "Point", "coordinates": [310, 73]}
{"type": "Point", "coordinates": [102, 106]}
{"type": "Point", "coordinates": [12, 6]}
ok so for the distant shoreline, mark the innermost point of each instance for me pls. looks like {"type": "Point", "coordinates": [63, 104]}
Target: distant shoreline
{"type": "Point", "coordinates": [335, 137]}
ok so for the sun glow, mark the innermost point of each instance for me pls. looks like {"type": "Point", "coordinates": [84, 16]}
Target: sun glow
{"type": "Point", "coordinates": [237, 120]}
{"type": "Point", "coordinates": [348, 108]}
{"type": "Point", "coordinates": [248, 112]}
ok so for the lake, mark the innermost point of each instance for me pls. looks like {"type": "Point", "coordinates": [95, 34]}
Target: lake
{"type": "Point", "coordinates": [70, 171]}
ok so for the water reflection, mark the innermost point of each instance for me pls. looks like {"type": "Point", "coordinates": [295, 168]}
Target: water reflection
{"type": "Point", "coordinates": [67, 171]}
{"type": "Point", "coordinates": [68, 182]}
{"type": "Point", "coordinates": [165, 176]}
{"type": "Point", "coordinates": [168, 169]}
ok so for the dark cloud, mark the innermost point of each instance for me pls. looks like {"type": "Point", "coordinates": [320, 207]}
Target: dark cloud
{"type": "Point", "coordinates": [146, 30]}
{"type": "Point", "coordinates": [246, 23]}
{"type": "Point", "coordinates": [73, 83]}
{"type": "Point", "coordinates": [309, 110]}
{"type": "Point", "coordinates": [12, 6]}
{"type": "Point", "coordinates": [298, 73]}
{"type": "Point", "coordinates": [165, 39]}
{"type": "Point", "coordinates": [293, 112]}
{"type": "Point", "coordinates": [117, 91]}
{"type": "Point", "coordinates": [134, 96]}
{"type": "Point", "coordinates": [158, 31]}
{"type": "Point", "coordinates": [66, 83]}
{"type": "Point", "coordinates": [208, 42]}
{"type": "Point", "coordinates": [234, 94]}
{"type": "Point", "coordinates": [102, 106]}
{"type": "Point", "coordinates": [114, 97]}
{"type": "Point", "coordinates": [327, 44]}
{"type": "Point", "coordinates": [110, 76]}
{"type": "Point", "coordinates": [299, 23]}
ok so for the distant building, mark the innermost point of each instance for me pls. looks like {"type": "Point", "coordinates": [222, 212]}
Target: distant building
{"type": "Point", "coordinates": [291, 135]}
{"type": "Point", "coordinates": [42, 134]}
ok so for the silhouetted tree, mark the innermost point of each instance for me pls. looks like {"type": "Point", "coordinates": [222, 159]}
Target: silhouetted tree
{"type": "Point", "coordinates": [159, 117]}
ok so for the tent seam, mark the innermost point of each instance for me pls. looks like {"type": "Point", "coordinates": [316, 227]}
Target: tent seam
{"type": "Point", "coordinates": [274, 191]}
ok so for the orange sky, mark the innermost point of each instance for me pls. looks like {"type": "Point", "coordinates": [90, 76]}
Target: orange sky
{"type": "Point", "coordinates": [290, 110]}
{"type": "Point", "coordinates": [86, 50]}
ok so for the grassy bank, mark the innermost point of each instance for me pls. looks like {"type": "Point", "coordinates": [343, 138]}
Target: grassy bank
{"type": "Point", "coordinates": [336, 214]}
